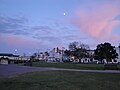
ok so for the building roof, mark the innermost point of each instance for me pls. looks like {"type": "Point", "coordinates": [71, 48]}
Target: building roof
{"type": "Point", "coordinates": [91, 50]}
{"type": "Point", "coordinates": [8, 54]}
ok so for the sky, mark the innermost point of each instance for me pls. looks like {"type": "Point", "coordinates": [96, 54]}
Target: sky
{"type": "Point", "coordinates": [28, 26]}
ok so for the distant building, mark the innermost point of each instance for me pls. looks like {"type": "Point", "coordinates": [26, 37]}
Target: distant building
{"type": "Point", "coordinates": [118, 51]}
{"type": "Point", "coordinates": [43, 56]}
{"type": "Point", "coordinates": [23, 58]}
{"type": "Point", "coordinates": [55, 55]}
{"type": "Point", "coordinates": [89, 58]}
{"type": "Point", "coordinates": [6, 58]}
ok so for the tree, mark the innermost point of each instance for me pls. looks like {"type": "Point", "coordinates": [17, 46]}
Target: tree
{"type": "Point", "coordinates": [67, 52]}
{"type": "Point", "coordinates": [73, 46]}
{"type": "Point", "coordinates": [78, 50]}
{"type": "Point", "coordinates": [105, 51]}
{"type": "Point", "coordinates": [78, 45]}
{"type": "Point", "coordinates": [80, 53]}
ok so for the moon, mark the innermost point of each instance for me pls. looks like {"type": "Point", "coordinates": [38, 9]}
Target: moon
{"type": "Point", "coordinates": [64, 14]}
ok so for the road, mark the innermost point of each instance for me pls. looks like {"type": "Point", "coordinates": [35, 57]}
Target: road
{"type": "Point", "coordinates": [11, 70]}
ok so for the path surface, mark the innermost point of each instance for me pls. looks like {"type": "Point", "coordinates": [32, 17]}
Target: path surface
{"type": "Point", "coordinates": [12, 70]}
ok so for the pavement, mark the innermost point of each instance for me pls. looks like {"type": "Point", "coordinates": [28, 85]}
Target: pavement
{"type": "Point", "coordinates": [11, 70]}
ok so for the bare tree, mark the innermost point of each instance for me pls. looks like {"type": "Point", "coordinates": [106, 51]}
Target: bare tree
{"type": "Point", "coordinates": [78, 50]}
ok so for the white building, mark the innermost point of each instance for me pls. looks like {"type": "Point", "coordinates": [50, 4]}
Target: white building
{"type": "Point", "coordinates": [55, 55]}
{"type": "Point", "coordinates": [43, 56]}
{"type": "Point", "coordinates": [89, 58]}
{"type": "Point", "coordinates": [118, 51]}
{"type": "Point", "coordinates": [6, 58]}
{"type": "Point", "coordinates": [23, 58]}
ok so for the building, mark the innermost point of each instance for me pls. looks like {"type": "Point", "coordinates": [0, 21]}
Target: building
{"type": "Point", "coordinates": [55, 55]}
{"type": "Point", "coordinates": [6, 58]}
{"type": "Point", "coordinates": [43, 56]}
{"type": "Point", "coordinates": [89, 58]}
{"type": "Point", "coordinates": [118, 51]}
{"type": "Point", "coordinates": [23, 58]}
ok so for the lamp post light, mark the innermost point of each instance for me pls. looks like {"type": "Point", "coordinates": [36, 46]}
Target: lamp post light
{"type": "Point", "coordinates": [16, 51]}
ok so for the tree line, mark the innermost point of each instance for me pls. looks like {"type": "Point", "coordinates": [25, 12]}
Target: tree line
{"type": "Point", "coordinates": [103, 51]}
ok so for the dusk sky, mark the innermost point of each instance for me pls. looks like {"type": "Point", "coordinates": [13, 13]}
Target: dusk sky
{"type": "Point", "coordinates": [29, 26]}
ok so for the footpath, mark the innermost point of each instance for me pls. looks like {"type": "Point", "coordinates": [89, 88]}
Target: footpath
{"type": "Point", "coordinates": [12, 70]}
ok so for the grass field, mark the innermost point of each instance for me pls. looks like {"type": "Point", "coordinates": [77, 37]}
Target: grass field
{"type": "Point", "coordinates": [62, 80]}
{"type": "Point", "coordinates": [71, 65]}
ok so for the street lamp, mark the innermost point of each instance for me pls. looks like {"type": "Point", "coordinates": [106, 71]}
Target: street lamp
{"type": "Point", "coordinates": [16, 51]}
{"type": "Point", "coordinates": [62, 52]}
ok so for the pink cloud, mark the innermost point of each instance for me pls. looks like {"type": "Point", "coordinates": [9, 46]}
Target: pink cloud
{"type": "Point", "coordinates": [98, 22]}
{"type": "Point", "coordinates": [14, 40]}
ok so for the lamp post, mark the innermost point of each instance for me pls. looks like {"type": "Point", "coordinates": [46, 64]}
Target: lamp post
{"type": "Point", "coordinates": [119, 51]}
{"type": "Point", "coordinates": [119, 48]}
{"type": "Point", "coordinates": [16, 51]}
{"type": "Point", "coordinates": [48, 51]}
{"type": "Point", "coordinates": [62, 53]}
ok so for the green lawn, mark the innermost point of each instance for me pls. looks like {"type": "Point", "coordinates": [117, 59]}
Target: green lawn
{"type": "Point", "coordinates": [70, 65]}
{"type": "Point", "coordinates": [62, 80]}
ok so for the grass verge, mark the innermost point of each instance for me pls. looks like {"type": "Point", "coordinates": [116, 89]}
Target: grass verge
{"type": "Point", "coordinates": [70, 65]}
{"type": "Point", "coordinates": [61, 80]}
